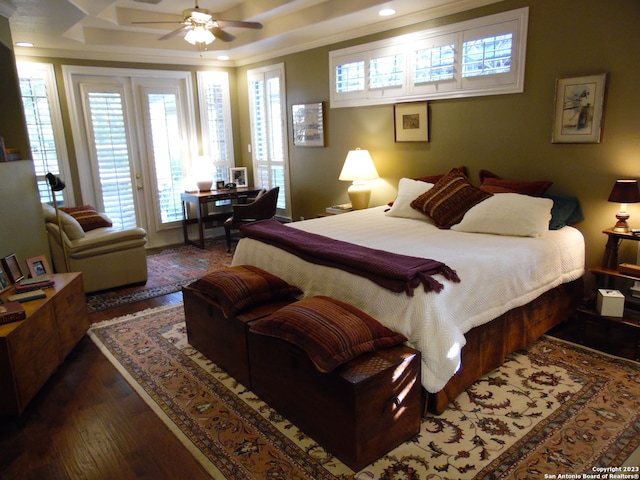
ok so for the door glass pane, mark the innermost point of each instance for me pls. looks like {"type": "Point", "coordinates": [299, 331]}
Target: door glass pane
{"type": "Point", "coordinates": [107, 125]}
{"type": "Point", "coordinates": [167, 154]}
{"type": "Point", "coordinates": [41, 134]}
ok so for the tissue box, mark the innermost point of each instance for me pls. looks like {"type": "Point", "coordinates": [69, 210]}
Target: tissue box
{"type": "Point", "coordinates": [610, 303]}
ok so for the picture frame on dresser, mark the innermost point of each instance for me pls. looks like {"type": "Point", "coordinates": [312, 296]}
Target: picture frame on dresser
{"type": "Point", "coordinates": [4, 281]}
{"type": "Point", "coordinates": [38, 266]}
{"type": "Point", "coordinates": [12, 268]}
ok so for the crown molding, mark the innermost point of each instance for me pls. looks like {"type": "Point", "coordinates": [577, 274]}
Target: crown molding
{"type": "Point", "coordinates": [6, 9]}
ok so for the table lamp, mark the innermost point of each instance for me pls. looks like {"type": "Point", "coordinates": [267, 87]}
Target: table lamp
{"type": "Point", "coordinates": [358, 168]}
{"type": "Point", "coordinates": [624, 192]}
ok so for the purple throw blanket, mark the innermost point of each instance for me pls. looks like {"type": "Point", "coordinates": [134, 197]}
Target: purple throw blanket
{"type": "Point", "coordinates": [398, 273]}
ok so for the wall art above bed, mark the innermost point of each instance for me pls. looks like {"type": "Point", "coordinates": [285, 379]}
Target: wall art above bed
{"type": "Point", "coordinates": [411, 121]}
{"type": "Point", "coordinates": [578, 109]}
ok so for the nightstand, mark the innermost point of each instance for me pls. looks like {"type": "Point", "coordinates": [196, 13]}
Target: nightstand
{"type": "Point", "coordinates": [606, 277]}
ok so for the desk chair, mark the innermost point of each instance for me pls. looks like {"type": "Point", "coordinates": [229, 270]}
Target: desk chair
{"type": "Point", "coordinates": [262, 208]}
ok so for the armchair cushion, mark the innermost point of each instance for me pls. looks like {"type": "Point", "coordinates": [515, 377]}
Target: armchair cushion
{"type": "Point", "coordinates": [70, 225]}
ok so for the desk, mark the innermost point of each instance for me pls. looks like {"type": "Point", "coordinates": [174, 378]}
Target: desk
{"type": "Point", "coordinates": [201, 199]}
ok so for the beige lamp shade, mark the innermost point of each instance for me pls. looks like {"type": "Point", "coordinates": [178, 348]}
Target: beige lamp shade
{"type": "Point", "coordinates": [358, 168]}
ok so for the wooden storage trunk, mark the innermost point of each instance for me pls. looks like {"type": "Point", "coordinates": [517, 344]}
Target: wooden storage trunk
{"type": "Point", "coordinates": [223, 340]}
{"type": "Point", "coordinates": [358, 412]}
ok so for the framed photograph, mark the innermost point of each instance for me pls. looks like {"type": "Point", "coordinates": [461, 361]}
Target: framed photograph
{"type": "Point", "coordinates": [38, 266]}
{"type": "Point", "coordinates": [308, 125]}
{"type": "Point", "coordinates": [411, 122]}
{"type": "Point", "coordinates": [579, 103]}
{"type": "Point", "coordinates": [219, 184]}
{"type": "Point", "coordinates": [4, 281]}
{"type": "Point", "coordinates": [12, 268]}
{"type": "Point", "coordinates": [239, 176]}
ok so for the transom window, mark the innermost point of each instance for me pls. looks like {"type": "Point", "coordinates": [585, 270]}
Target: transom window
{"type": "Point", "coordinates": [484, 56]}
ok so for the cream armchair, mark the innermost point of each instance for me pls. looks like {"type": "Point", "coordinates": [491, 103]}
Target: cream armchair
{"type": "Point", "coordinates": [107, 257]}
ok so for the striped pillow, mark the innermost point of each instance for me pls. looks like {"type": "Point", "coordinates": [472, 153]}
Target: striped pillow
{"type": "Point", "coordinates": [331, 332]}
{"type": "Point", "coordinates": [88, 218]}
{"type": "Point", "coordinates": [243, 286]}
{"type": "Point", "coordinates": [450, 198]}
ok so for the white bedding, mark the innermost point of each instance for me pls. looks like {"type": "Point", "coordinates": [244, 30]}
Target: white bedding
{"type": "Point", "coordinates": [498, 273]}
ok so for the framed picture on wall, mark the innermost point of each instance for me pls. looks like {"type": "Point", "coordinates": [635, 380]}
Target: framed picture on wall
{"type": "Point", "coordinates": [579, 103]}
{"type": "Point", "coordinates": [411, 122]}
{"type": "Point", "coordinates": [308, 125]}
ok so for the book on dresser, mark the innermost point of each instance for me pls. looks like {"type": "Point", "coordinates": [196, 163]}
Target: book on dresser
{"type": "Point", "coordinates": [35, 283]}
{"type": "Point", "coordinates": [11, 312]}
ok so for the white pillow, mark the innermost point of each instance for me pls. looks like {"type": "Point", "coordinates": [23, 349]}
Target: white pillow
{"type": "Point", "coordinates": [508, 214]}
{"type": "Point", "coordinates": [408, 191]}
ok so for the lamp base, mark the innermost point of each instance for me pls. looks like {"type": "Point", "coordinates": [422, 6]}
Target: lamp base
{"type": "Point", "coordinates": [359, 194]}
{"type": "Point", "coordinates": [621, 225]}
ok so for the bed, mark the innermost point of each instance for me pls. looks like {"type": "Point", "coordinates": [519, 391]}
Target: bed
{"type": "Point", "coordinates": [512, 289]}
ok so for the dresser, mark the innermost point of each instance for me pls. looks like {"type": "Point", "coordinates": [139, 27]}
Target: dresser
{"type": "Point", "coordinates": [32, 349]}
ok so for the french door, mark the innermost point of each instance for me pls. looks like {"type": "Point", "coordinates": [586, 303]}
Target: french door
{"type": "Point", "coordinates": [132, 134]}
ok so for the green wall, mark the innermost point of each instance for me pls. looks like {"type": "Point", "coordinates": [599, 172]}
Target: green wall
{"type": "Point", "coordinates": [22, 230]}
{"type": "Point", "coordinates": [508, 134]}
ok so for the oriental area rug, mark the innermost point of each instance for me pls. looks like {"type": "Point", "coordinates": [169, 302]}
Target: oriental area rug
{"type": "Point", "coordinates": [168, 271]}
{"type": "Point", "coordinates": [554, 410]}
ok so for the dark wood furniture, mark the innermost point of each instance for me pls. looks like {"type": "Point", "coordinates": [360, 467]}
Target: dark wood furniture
{"type": "Point", "coordinates": [262, 208]}
{"type": "Point", "coordinates": [358, 412]}
{"type": "Point", "coordinates": [223, 340]}
{"type": "Point", "coordinates": [606, 275]}
{"type": "Point", "coordinates": [33, 348]}
{"type": "Point", "coordinates": [201, 201]}
{"type": "Point", "coordinates": [489, 344]}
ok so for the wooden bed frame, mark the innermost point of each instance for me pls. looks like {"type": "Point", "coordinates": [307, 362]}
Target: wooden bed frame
{"type": "Point", "coordinates": [518, 328]}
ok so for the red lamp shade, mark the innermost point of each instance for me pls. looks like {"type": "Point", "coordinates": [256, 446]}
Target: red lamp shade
{"type": "Point", "coordinates": [623, 192]}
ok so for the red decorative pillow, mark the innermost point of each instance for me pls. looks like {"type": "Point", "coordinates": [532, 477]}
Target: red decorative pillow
{"type": "Point", "coordinates": [331, 332]}
{"type": "Point", "coordinates": [243, 286]}
{"type": "Point", "coordinates": [450, 198]}
{"type": "Point", "coordinates": [88, 218]}
{"type": "Point", "coordinates": [494, 184]}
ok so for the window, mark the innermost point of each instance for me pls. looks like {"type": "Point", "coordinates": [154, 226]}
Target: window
{"type": "Point", "coordinates": [267, 105]}
{"type": "Point", "coordinates": [44, 127]}
{"type": "Point", "coordinates": [215, 113]}
{"type": "Point", "coordinates": [484, 56]}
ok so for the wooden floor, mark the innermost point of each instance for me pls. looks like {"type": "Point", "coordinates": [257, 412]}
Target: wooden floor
{"type": "Point", "coordinates": [87, 422]}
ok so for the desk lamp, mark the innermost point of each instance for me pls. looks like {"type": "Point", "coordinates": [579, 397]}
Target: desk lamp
{"type": "Point", "coordinates": [359, 167]}
{"type": "Point", "coordinates": [624, 192]}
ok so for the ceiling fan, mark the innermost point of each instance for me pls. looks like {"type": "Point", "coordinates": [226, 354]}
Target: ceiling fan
{"type": "Point", "coordinates": [201, 28]}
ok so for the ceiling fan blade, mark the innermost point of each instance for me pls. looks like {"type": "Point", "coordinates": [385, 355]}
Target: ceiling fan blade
{"type": "Point", "coordinates": [174, 33]}
{"type": "Point", "coordinates": [143, 23]}
{"type": "Point", "coordinates": [221, 34]}
{"type": "Point", "coordinates": [237, 23]}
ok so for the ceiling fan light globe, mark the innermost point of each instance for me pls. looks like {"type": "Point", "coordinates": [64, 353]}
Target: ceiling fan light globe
{"type": "Point", "coordinates": [198, 35]}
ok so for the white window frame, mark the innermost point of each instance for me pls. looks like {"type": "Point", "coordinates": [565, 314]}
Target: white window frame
{"type": "Point", "coordinates": [221, 79]}
{"type": "Point", "coordinates": [514, 21]}
{"type": "Point", "coordinates": [47, 73]}
{"type": "Point", "coordinates": [263, 74]}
